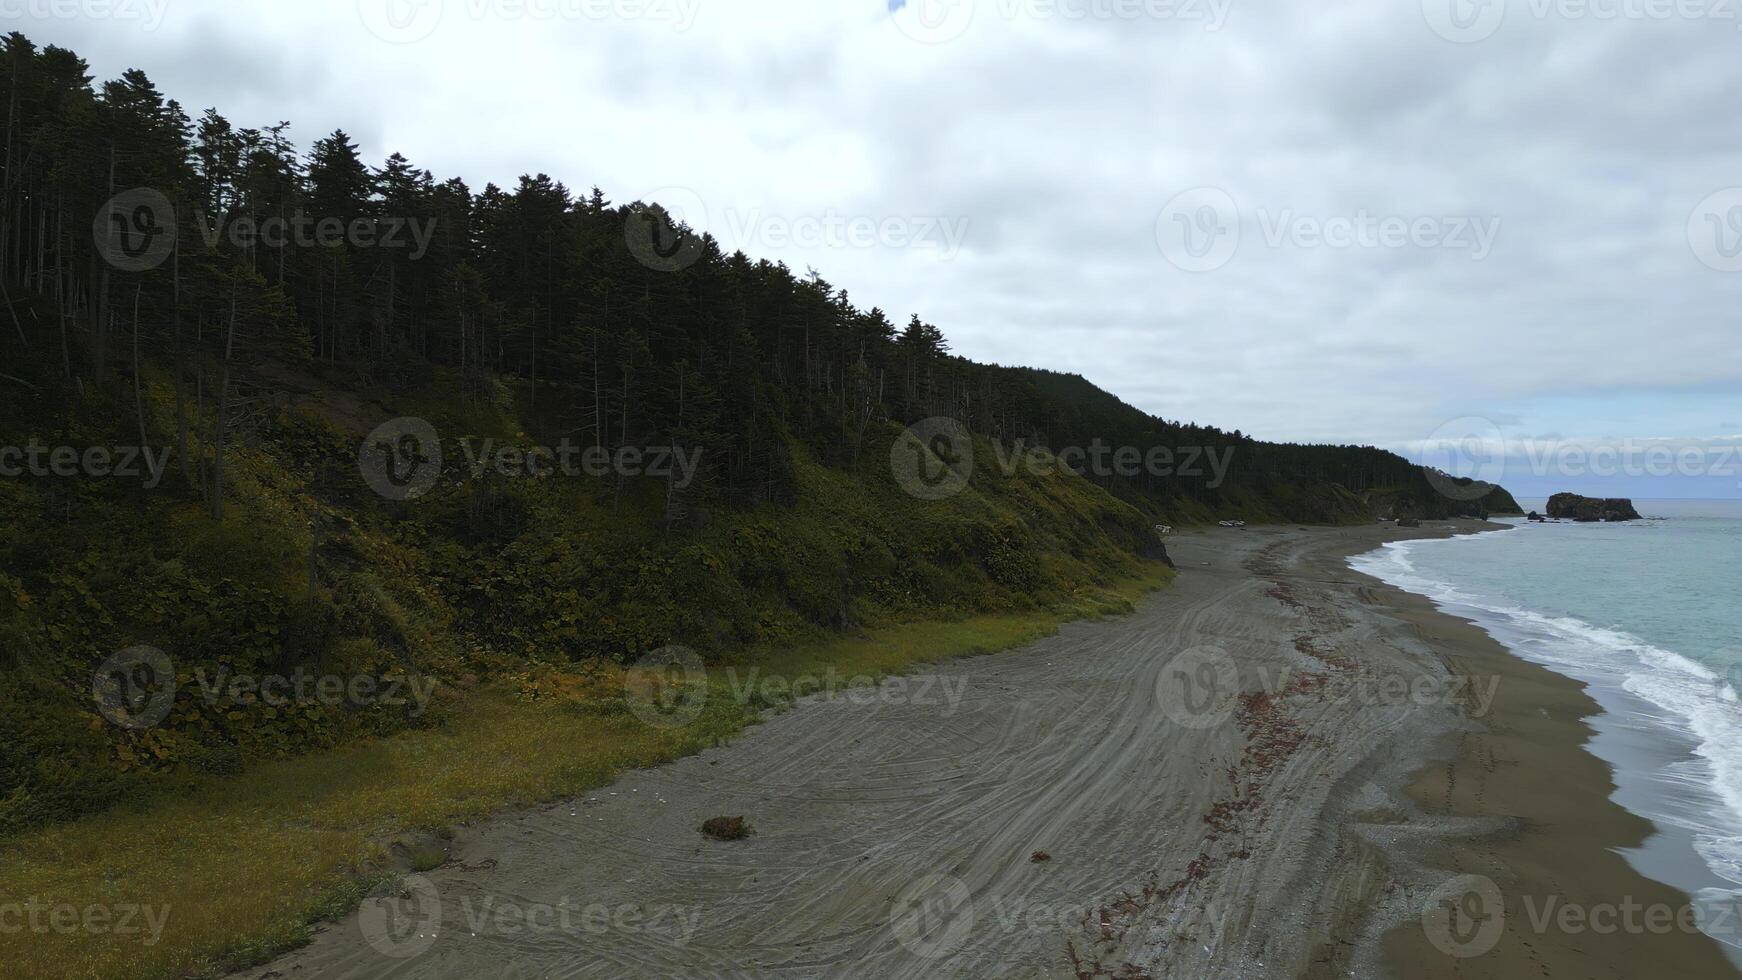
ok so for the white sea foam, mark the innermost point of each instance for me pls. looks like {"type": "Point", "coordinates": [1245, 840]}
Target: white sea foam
{"type": "Point", "coordinates": [1692, 701]}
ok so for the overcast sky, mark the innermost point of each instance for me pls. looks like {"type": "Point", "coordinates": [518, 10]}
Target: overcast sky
{"type": "Point", "coordinates": [1378, 221]}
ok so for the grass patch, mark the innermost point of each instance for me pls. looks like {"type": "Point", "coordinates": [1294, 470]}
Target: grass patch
{"type": "Point", "coordinates": [237, 869]}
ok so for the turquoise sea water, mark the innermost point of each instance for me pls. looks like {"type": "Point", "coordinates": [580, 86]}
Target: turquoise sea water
{"type": "Point", "coordinates": [1649, 615]}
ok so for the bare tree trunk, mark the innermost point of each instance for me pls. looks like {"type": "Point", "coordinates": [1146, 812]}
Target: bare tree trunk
{"type": "Point", "coordinates": [99, 345]}
{"type": "Point", "coordinates": [6, 294]}
{"type": "Point", "coordinates": [672, 506]}
{"type": "Point", "coordinates": [62, 288]}
{"type": "Point", "coordinates": [218, 435]}
{"type": "Point", "coordinates": [138, 386]}
{"type": "Point", "coordinates": [598, 396]}
{"type": "Point", "coordinates": [617, 494]}
{"type": "Point", "coordinates": [181, 411]}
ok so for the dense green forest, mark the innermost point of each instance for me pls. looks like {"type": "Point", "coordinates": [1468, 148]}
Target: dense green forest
{"type": "Point", "coordinates": [249, 312]}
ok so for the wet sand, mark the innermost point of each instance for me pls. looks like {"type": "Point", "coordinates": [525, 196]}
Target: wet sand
{"type": "Point", "coordinates": [1266, 771]}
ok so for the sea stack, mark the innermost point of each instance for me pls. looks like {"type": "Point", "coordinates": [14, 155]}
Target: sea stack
{"type": "Point", "coordinates": [1591, 509]}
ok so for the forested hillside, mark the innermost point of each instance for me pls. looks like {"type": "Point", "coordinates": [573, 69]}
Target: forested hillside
{"type": "Point", "coordinates": [242, 313]}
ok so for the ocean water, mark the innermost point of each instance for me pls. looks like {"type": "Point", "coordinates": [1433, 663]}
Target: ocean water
{"type": "Point", "coordinates": [1649, 615]}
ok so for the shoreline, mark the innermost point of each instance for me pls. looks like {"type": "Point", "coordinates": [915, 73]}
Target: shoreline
{"type": "Point", "coordinates": [1084, 809]}
{"type": "Point", "coordinates": [1526, 838]}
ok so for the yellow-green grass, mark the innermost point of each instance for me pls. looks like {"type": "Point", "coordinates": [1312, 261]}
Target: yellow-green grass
{"type": "Point", "coordinates": [237, 869]}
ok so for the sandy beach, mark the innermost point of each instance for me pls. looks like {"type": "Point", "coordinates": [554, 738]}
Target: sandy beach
{"type": "Point", "coordinates": [1270, 769]}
